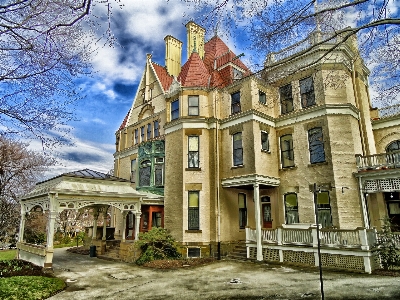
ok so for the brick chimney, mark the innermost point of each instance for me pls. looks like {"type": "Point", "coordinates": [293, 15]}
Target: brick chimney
{"type": "Point", "coordinates": [173, 55]}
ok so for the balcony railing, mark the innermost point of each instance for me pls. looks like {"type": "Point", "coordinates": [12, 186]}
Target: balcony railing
{"type": "Point", "coordinates": [378, 161]}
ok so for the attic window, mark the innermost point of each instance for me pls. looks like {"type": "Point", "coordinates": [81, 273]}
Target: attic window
{"type": "Point", "coordinates": [237, 74]}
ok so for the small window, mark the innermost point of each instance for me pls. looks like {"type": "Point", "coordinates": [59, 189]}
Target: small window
{"type": "Point", "coordinates": [156, 219]}
{"type": "Point", "coordinates": [159, 175]}
{"type": "Point", "coordinates": [156, 128]}
{"type": "Point", "coordinates": [286, 97]}
{"type": "Point", "coordinates": [291, 208]}
{"type": "Point", "coordinates": [262, 98]}
{"type": "Point", "coordinates": [142, 134]}
{"type": "Point", "coordinates": [193, 104]}
{"type": "Point", "coordinates": [193, 211]}
{"type": "Point", "coordinates": [242, 211]}
{"type": "Point", "coordinates": [235, 103]}
{"type": "Point", "coordinates": [264, 141]}
{"type": "Point", "coordinates": [307, 92]}
{"type": "Point", "coordinates": [133, 170]}
{"type": "Point", "coordinates": [193, 153]}
{"type": "Point", "coordinates": [316, 145]}
{"type": "Point", "coordinates": [393, 146]}
{"type": "Point", "coordinates": [145, 221]}
{"type": "Point", "coordinates": [145, 173]}
{"type": "Point", "coordinates": [148, 131]}
{"type": "Point", "coordinates": [193, 252]}
{"type": "Point", "coordinates": [136, 136]}
{"type": "Point", "coordinates": [143, 95]}
{"type": "Point", "coordinates": [175, 110]}
{"type": "Point", "coordinates": [324, 209]}
{"type": "Point", "coordinates": [287, 153]}
{"type": "Point", "coordinates": [237, 149]}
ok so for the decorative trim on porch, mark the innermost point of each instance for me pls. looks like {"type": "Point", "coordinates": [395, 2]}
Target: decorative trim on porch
{"type": "Point", "coordinates": [250, 179]}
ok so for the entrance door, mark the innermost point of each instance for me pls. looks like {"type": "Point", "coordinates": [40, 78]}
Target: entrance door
{"type": "Point", "coordinates": [130, 226]}
{"type": "Point", "coordinates": [266, 212]}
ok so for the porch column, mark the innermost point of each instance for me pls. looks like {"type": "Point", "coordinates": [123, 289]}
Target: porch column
{"type": "Point", "coordinates": [257, 210]}
{"type": "Point", "coordinates": [124, 213]}
{"type": "Point", "coordinates": [104, 225]}
{"type": "Point", "coordinates": [363, 204]}
{"type": "Point", "coordinates": [95, 218]}
{"type": "Point", "coordinates": [137, 225]}
{"type": "Point", "coordinates": [22, 224]}
{"type": "Point", "coordinates": [50, 229]}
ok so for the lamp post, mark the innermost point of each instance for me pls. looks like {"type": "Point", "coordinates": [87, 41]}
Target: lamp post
{"type": "Point", "coordinates": [316, 191]}
{"type": "Point", "coordinates": [77, 237]}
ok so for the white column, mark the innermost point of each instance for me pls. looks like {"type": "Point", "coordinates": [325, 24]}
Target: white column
{"type": "Point", "coordinates": [95, 217]}
{"type": "Point", "coordinates": [50, 229]}
{"type": "Point", "coordinates": [124, 213]}
{"type": "Point", "coordinates": [104, 225]}
{"type": "Point", "coordinates": [137, 225]}
{"type": "Point", "coordinates": [257, 210]}
{"type": "Point", "coordinates": [22, 224]}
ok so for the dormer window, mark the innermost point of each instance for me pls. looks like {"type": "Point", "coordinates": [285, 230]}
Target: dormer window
{"type": "Point", "coordinates": [237, 74]}
{"type": "Point", "coordinates": [235, 104]}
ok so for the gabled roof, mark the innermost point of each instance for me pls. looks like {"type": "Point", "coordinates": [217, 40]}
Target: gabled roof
{"type": "Point", "coordinates": [88, 174]}
{"type": "Point", "coordinates": [123, 124]}
{"type": "Point", "coordinates": [163, 76]}
{"type": "Point", "coordinates": [194, 72]}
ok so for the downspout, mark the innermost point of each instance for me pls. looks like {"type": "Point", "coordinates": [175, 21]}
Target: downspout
{"type": "Point", "coordinates": [217, 180]}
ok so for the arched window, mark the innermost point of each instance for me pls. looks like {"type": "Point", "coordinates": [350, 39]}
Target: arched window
{"type": "Point", "coordinates": [145, 173]}
{"type": "Point", "coordinates": [393, 146]}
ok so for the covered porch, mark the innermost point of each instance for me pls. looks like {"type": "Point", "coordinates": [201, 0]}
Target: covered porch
{"type": "Point", "coordinates": [73, 191]}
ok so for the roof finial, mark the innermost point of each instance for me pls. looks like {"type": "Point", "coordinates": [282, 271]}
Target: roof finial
{"type": "Point", "coordinates": [216, 29]}
{"type": "Point", "coordinates": [316, 15]}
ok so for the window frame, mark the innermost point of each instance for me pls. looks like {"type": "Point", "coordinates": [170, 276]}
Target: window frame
{"type": "Point", "coordinates": [242, 211]}
{"type": "Point", "coordinates": [262, 94]}
{"type": "Point", "coordinates": [141, 168]}
{"type": "Point", "coordinates": [286, 98]}
{"type": "Point", "coordinates": [136, 136]}
{"type": "Point", "coordinates": [193, 107]}
{"type": "Point", "coordinates": [156, 128]}
{"type": "Point", "coordinates": [236, 149]}
{"type": "Point", "coordinates": [133, 170]}
{"type": "Point", "coordinates": [192, 153]}
{"type": "Point", "coordinates": [235, 103]}
{"type": "Point", "coordinates": [395, 142]}
{"type": "Point", "coordinates": [289, 152]}
{"type": "Point", "coordinates": [149, 128]}
{"type": "Point", "coordinates": [142, 134]}
{"type": "Point", "coordinates": [265, 144]}
{"type": "Point", "coordinates": [326, 207]}
{"type": "Point", "coordinates": [316, 148]}
{"type": "Point", "coordinates": [159, 166]}
{"type": "Point", "coordinates": [295, 208]}
{"type": "Point", "coordinates": [175, 110]}
{"type": "Point", "coordinates": [307, 97]}
{"type": "Point", "coordinates": [194, 212]}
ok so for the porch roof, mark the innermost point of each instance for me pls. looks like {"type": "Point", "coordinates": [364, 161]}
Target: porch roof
{"type": "Point", "coordinates": [250, 180]}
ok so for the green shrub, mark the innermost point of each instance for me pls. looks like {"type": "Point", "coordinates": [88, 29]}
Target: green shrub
{"type": "Point", "coordinates": [34, 237]}
{"type": "Point", "coordinates": [66, 239]}
{"type": "Point", "coordinates": [156, 244]}
{"type": "Point", "coordinates": [387, 247]}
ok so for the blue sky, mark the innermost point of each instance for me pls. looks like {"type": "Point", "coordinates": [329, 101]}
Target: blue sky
{"type": "Point", "coordinates": [139, 28]}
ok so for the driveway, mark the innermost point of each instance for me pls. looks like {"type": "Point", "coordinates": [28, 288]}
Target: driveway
{"type": "Point", "coordinates": [93, 278]}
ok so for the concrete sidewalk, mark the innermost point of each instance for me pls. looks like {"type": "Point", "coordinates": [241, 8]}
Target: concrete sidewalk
{"type": "Point", "coordinates": [93, 278]}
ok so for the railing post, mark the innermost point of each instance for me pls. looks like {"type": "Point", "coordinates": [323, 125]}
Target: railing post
{"type": "Point", "coordinates": [314, 237]}
{"type": "Point", "coordinates": [362, 233]}
{"type": "Point", "coordinates": [279, 235]}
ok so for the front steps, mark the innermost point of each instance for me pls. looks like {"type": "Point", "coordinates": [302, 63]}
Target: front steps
{"type": "Point", "coordinates": [238, 253]}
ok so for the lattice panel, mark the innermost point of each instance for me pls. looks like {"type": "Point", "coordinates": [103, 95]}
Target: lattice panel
{"type": "Point", "coordinates": [271, 254]}
{"type": "Point", "coordinates": [253, 252]}
{"type": "Point", "coordinates": [371, 185]}
{"type": "Point", "coordinates": [343, 261]}
{"type": "Point", "coordinates": [299, 257]}
{"type": "Point", "coordinates": [396, 183]}
{"type": "Point", "coordinates": [385, 184]}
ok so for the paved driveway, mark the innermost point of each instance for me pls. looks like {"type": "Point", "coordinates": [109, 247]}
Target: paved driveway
{"type": "Point", "coordinates": [93, 278]}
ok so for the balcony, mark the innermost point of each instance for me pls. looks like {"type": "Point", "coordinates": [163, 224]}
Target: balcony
{"type": "Point", "coordinates": [380, 161]}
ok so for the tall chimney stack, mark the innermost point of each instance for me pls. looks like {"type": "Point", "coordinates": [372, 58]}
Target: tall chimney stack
{"type": "Point", "coordinates": [173, 55]}
{"type": "Point", "coordinates": [195, 39]}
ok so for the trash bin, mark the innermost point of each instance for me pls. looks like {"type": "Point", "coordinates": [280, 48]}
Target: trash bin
{"type": "Point", "coordinates": [92, 251]}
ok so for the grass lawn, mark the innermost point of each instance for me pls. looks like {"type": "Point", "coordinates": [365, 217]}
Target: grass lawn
{"type": "Point", "coordinates": [7, 254]}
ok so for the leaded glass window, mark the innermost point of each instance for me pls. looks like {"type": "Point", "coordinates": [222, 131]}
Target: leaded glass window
{"type": "Point", "coordinates": [145, 173]}
{"type": "Point", "coordinates": [175, 110]}
{"type": "Point", "coordinates": [242, 211]}
{"type": "Point", "coordinates": [307, 92]}
{"type": "Point", "coordinates": [237, 149]}
{"type": "Point", "coordinates": [235, 103]}
{"type": "Point", "coordinates": [193, 211]}
{"type": "Point", "coordinates": [156, 128]}
{"type": "Point", "coordinates": [287, 153]}
{"type": "Point", "coordinates": [324, 209]}
{"type": "Point", "coordinates": [286, 97]}
{"type": "Point", "coordinates": [159, 174]}
{"type": "Point", "coordinates": [193, 104]}
{"type": "Point", "coordinates": [316, 145]}
{"type": "Point", "coordinates": [393, 146]}
{"type": "Point", "coordinates": [264, 141]}
{"type": "Point", "coordinates": [291, 208]}
{"type": "Point", "coordinates": [262, 98]}
{"type": "Point", "coordinates": [193, 153]}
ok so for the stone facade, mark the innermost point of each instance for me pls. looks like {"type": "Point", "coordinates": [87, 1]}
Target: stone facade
{"type": "Point", "coordinates": [245, 150]}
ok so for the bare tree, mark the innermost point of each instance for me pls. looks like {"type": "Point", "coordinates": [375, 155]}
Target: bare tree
{"type": "Point", "coordinates": [44, 46]}
{"type": "Point", "coordinates": [20, 168]}
{"type": "Point", "coordinates": [272, 25]}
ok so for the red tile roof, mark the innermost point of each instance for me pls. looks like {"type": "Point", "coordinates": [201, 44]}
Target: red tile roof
{"type": "Point", "coordinates": [123, 124]}
{"type": "Point", "coordinates": [194, 72]}
{"type": "Point", "coordinates": [163, 76]}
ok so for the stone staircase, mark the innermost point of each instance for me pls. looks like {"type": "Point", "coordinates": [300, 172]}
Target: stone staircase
{"type": "Point", "coordinates": [112, 251]}
{"type": "Point", "coordinates": [238, 253]}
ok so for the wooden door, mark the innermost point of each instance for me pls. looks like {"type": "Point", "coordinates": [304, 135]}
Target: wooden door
{"type": "Point", "coordinates": [267, 215]}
